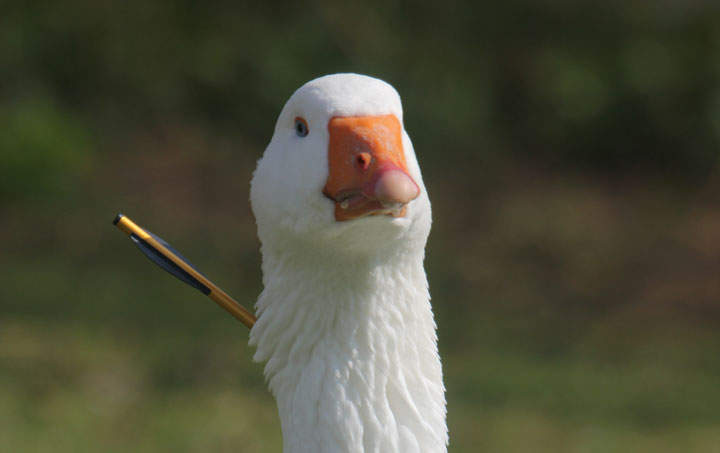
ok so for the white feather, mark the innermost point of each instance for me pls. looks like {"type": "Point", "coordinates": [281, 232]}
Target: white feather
{"type": "Point", "coordinates": [344, 322]}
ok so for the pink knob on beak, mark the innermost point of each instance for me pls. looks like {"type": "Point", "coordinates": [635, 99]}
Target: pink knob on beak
{"type": "Point", "coordinates": [396, 186]}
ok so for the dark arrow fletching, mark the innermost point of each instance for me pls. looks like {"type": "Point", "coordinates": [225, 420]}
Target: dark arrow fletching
{"type": "Point", "coordinates": [178, 254]}
{"type": "Point", "coordinates": [166, 263]}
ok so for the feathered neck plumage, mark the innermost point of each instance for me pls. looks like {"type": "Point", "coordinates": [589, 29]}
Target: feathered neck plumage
{"type": "Point", "coordinates": [351, 353]}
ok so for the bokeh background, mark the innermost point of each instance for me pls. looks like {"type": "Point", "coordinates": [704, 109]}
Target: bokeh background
{"type": "Point", "coordinates": [571, 154]}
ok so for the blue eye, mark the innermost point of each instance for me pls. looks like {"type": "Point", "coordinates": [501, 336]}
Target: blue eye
{"type": "Point", "coordinates": [301, 127]}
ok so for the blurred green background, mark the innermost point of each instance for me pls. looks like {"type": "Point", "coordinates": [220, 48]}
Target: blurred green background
{"type": "Point", "coordinates": [570, 150]}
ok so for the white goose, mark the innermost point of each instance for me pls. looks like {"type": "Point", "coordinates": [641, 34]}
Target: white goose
{"type": "Point", "coordinates": [344, 321]}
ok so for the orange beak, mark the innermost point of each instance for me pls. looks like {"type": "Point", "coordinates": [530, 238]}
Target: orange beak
{"type": "Point", "coordinates": [368, 173]}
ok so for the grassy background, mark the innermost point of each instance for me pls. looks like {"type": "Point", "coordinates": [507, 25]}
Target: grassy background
{"type": "Point", "coordinates": [570, 151]}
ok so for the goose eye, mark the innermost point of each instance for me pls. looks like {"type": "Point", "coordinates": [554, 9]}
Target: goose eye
{"type": "Point", "coordinates": [301, 127]}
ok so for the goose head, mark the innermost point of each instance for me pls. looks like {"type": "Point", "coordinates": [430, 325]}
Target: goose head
{"type": "Point", "coordinates": [340, 172]}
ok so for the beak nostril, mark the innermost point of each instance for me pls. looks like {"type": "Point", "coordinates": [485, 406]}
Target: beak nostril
{"type": "Point", "coordinates": [362, 160]}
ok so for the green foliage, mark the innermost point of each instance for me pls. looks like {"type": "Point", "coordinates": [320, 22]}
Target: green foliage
{"type": "Point", "coordinates": [621, 88]}
{"type": "Point", "coordinates": [43, 151]}
{"type": "Point", "coordinates": [570, 150]}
